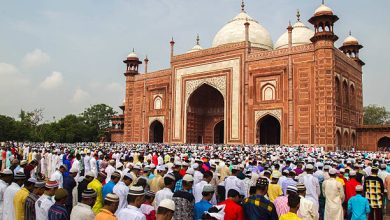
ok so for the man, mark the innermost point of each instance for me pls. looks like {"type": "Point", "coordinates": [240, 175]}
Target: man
{"type": "Point", "coordinates": [108, 188]}
{"type": "Point", "coordinates": [29, 207]}
{"type": "Point", "coordinates": [83, 210]}
{"type": "Point", "coordinates": [6, 177]}
{"type": "Point", "coordinates": [289, 181]}
{"type": "Point", "coordinates": [43, 204]}
{"type": "Point", "coordinates": [96, 185]}
{"type": "Point", "coordinates": [257, 206]}
{"type": "Point", "coordinates": [93, 164]}
{"type": "Point", "coordinates": [21, 196]}
{"type": "Point", "coordinates": [307, 209]}
{"type": "Point", "coordinates": [350, 185]}
{"type": "Point", "coordinates": [110, 169]}
{"type": "Point", "coordinates": [121, 189]}
{"type": "Point", "coordinates": [334, 195]}
{"type": "Point", "coordinates": [135, 199]}
{"type": "Point", "coordinates": [184, 200]}
{"type": "Point", "coordinates": [233, 211]}
{"type": "Point", "coordinates": [274, 189]}
{"type": "Point", "coordinates": [204, 204]}
{"type": "Point", "coordinates": [9, 194]}
{"type": "Point", "coordinates": [198, 188]}
{"type": "Point", "coordinates": [69, 185]}
{"type": "Point", "coordinates": [58, 175]}
{"type": "Point", "coordinates": [147, 207]}
{"type": "Point", "coordinates": [87, 165]}
{"type": "Point", "coordinates": [157, 183]}
{"type": "Point", "coordinates": [29, 168]}
{"type": "Point", "coordinates": [358, 206]}
{"type": "Point", "coordinates": [293, 203]}
{"type": "Point", "coordinates": [83, 185]}
{"type": "Point", "coordinates": [110, 206]}
{"type": "Point", "coordinates": [135, 173]}
{"type": "Point", "coordinates": [198, 176]}
{"type": "Point", "coordinates": [165, 210]}
{"type": "Point", "coordinates": [281, 202]}
{"type": "Point", "coordinates": [312, 185]}
{"type": "Point", "coordinates": [233, 182]}
{"type": "Point", "coordinates": [58, 210]}
{"type": "Point", "coordinates": [374, 190]}
{"type": "Point", "coordinates": [166, 192]}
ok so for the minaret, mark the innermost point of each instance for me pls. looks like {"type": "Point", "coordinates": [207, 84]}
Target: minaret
{"type": "Point", "coordinates": [172, 47]}
{"type": "Point", "coordinates": [146, 60]}
{"type": "Point", "coordinates": [351, 48]}
{"type": "Point", "coordinates": [132, 62]}
{"type": "Point", "coordinates": [323, 21]}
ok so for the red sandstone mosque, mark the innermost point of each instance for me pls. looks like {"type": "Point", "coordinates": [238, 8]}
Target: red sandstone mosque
{"type": "Point", "coordinates": [245, 89]}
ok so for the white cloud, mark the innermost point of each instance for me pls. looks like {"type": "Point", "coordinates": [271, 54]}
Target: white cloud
{"type": "Point", "coordinates": [53, 81]}
{"type": "Point", "coordinates": [79, 96]}
{"type": "Point", "coordinates": [35, 58]}
{"type": "Point", "coordinates": [10, 76]}
{"type": "Point", "coordinates": [114, 87]}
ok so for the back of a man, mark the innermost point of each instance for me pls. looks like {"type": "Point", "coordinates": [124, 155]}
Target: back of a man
{"type": "Point", "coordinates": [358, 206]}
{"type": "Point", "coordinates": [233, 211]}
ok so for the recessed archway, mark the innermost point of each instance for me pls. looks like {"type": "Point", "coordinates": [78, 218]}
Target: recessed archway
{"type": "Point", "coordinates": [205, 106]}
{"type": "Point", "coordinates": [268, 131]}
{"type": "Point", "coordinates": [156, 132]}
{"type": "Point", "coordinates": [384, 143]}
{"type": "Point", "coordinates": [219, 133]}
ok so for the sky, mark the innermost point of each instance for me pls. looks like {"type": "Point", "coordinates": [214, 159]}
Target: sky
{"type": "Point", "coordinates": [64, 56]}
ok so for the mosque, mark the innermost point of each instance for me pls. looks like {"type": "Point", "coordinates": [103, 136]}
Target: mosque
{"type": "Point", "coordinates": [245, 89]}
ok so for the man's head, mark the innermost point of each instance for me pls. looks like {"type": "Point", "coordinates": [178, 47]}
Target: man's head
{"type": "Point", "coordinates": [89, 176]}
{"type": "Point", "coordinates": [374, 171]}
{"type": "Point", "coordinates": [127, 179]}
{"type": "Point", "coordinates": [101, 176]}
{"type": "Point", "coordinates": [208, 176]}
{"type": "Point", "coordinates": [30, 184]}
{"type": "Point", "coordinates": [301, 189]}
{"type": "Point", "coordinates": [188, 181]}
{"type": "Point", "coordinates": [61, 195]}
{"type": "Point", "coordinates": [332, 173]}
{"type": "Point", "coordinates": [149, 196]}
{"type": "Point", "coordinates": [88, 197]}
{"type": "Point", "coordinates": [111, 202]}
{"type": "Point", "coordinates": [73, 172]}
{"type": "Point", "coordinates": [208, 192]}
{"type": "Point", "coordinates": [293, 202]}
{"type": "Point", "coordinates": [115, 177]}
{"type": "Point", "coordinates": [63, 169]}
{"type": "Point", "coordinates": [359, 189]}
{"type": "Point", "coordinates": [169, 181]}
{"type": "Point", "coordinates": [136, 196]}
{"type": "Point", "coordinates": [6, 175]}
{"type": "Point", "coordinates": [234, 195]}
{"type": "Point", "coordinates": [39, 188]}
{"type": "Point", "coordinates": [291, 190]}
{"type": "Point", "coordinates": [165, 210]}
{"type": "Point", "coordinates": [51, 188]}
{"type": "Point", "coordinates": [261, 186]}
{"type": "Point", "coordinates": [309, 168]}
{"type": "Point", "coordinates": [19, 178]}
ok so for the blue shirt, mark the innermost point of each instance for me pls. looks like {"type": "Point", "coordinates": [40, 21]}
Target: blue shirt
{"type": "Point", "coordinates": [258, 207]}
{"type": "Point", "coordinates": [108, 188]}
{"type": "Point", "coordinates": [201, 207]}
{"type": "Point", "coordinates": [359, 207]}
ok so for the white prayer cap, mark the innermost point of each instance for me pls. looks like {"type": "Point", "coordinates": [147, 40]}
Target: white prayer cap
{"type": "Point", "coordinates": [168, 203]}
{"type": "Point", "coordinates": [188, 178]}
{"type": "Point", "coordinates": [73, 170]}
{"type": "Point", "coordinates": [332, 171]}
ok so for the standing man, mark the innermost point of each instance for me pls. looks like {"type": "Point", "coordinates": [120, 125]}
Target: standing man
{"type": "Point", "coordinates": [166, 192]}
{"type": "Point", "coordinates": [58, 175]}
{"type": "Point", "coordinates": [184, 200]}
{"type": "Point", "coordinates": [58, 210]}
{"type": "Point", "coordinates": [9, 194]}
{"type": "Point", "coordinates": [29, 207]}
{"type": "Point", "coordinates": [204, 204]}
{"type": "Point", "coordinates": [83, 185]}
{"type": "Point", "coordinates": [165, 210]}
{"type": "Point", "coordinates": [233, 211]}
{"type": "Point", "coordinates": [21, 196]}
{"type": "Point", "coordinates": [69, 185]}
{"type": "Point", "coordinates": [83, 210]}
{"type": "Point", "coordinates": [96, 185]}
{"type": "Point", "coordinates": [358, 206]}
{"type": "Point", "coordinates": [121, 189]}
{"type": "Point", "coordinates": [374, 190]}
{"type": "Point", "coordinates": [110, 206]}
{"type": "Point", "coordinates": [43, 204]}
{"type": "Point", "coordinates": [135, 199]}
{"type": "Point", "coordinates": [312, 186]}
{"type": "Point", "coordinates": [334, 195]}
{"type": "Point", "coordinates": [6, 177]}
{"type": "Point", "coordinates": [108, 188]}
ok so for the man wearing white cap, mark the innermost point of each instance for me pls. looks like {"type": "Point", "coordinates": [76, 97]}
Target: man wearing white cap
{"type": "Point", "coordinates": [184, 200]}
{"type": "Point", "coordinates": [121, 189]}
{"type": "Point", "coordinates": [358, 206]}
{"type": "Point", "coordinates": [198, 176]}
{"type": "Point", "coordinates": [157, 182]}
{"type": "Point", "coordinates": [167, 191]}
{"type": "Point", "coordinates": [5, 179]}
{"type": "Point", "coordinates": [312, 185]}
{"type": "Point", "coordinates": [9, 194]}
{"type": "Point", "coordinates": [334, 194]}
{"type": "Point", "coordinates": [110, 169]}
{"type": "Point", "coordinates": [165, 210]}
{"type": "Point", "coordinates": [135, 199]}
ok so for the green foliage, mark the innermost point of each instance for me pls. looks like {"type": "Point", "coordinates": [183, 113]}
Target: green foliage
{"type": "Point", "coordinates": [376, 115]}
{"type": "Point", "coordinates": [88, 126]}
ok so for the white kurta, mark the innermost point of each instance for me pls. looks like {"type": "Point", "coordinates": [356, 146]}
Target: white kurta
{"type": "Point", "coordinates": [109, 170]}
{"type": "Point", "coordinates": [131, 212]}
{"type": "Point", "coordinates": [82, 212]}
{"type": "Point", "coordinates": [42, 206]}
{"type": "Point", "coordinates": [57, 176]}
{"type": "Point", "coordinates": [87, 165]}
{"type": "Point", "coordinates": [312, 188]}
{"type": "Point", "coordinates": [8, 205]}
{"type": "Point", "coordinates": [121, 190]}
{"type": "Point", "coordinates": [198, 176]}
{"type": "Point", "coordinates": [307, 209]}
{"type": "Point", "coordinates": [198, 189]}
{"type": "Point", "coordinates": [93, 165]}
{"type": "Point", "coordinates": [334, 195]}
{"type": "Point", "coordinates": [3, 187]}
{"type": "Point", "coordinates": [165, 193]}
{"type": "Point", "coordinates": [232, 182]}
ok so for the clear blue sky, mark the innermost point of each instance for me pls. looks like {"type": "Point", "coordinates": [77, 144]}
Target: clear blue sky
{"type": "Point", "coordinates": [67, 55]}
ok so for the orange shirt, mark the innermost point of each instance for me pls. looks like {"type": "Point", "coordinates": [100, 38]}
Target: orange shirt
{"type": "Point", "coordinates": [104, 214]}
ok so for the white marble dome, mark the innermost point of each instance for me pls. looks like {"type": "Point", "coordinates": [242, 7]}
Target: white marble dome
{"type": "Point", "coordinates": [350, 40]}
{"type": "Point", "coordinates": [234, 31]}
{"type": "Point", "coordinates": [197, 47]}
{"type": "Point", "coordinates": [323, 9]}
{"type": "Point", "coordinates": [300, 35]}
{"type": "Point", "coordinates": [132, 55]}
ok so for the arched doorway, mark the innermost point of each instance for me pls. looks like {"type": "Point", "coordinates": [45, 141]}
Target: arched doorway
{"type": "Point", "coordinates": [205, 106]}
{"type": "Point", "coordinates": [156, 132]}
{"type": "Point", "coordinates": [346, 140]}
{"type": "Point", "coordinates": [338, 139]}
{"type": "Point", "coordinates": [268, 130]}
{"type": "Point", "coordinates": [219, 133]}
{"type": "Point", "coordinates": [384, 144]}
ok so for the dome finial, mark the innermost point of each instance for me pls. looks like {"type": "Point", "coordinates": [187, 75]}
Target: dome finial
{"type": "Point", "coordinates": [350, 33]}
{"type": "Point", "coordinates": [298, 15]}
{"type": "Point", "coordinates": [242, 6]}
{"type": "Point", "coordinates": [323, 2]}
{"type": "Point", "coordinates": [133, 49]}
{"type": "Point", "coordinates": [197, 39]}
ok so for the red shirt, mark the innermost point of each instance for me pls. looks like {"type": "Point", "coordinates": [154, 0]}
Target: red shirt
{"type": "Point", "coordinates": [350, 188]}
{"type": "Point", "coordinates": [233, 211]}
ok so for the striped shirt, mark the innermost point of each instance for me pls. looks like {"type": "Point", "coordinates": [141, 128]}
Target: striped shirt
{"type": "Point", "coordinates": [29, 207]}
{"type": "Point", "coordinates": [58, 212]}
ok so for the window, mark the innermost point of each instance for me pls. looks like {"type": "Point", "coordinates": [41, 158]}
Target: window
{"type": "Point", "coordinates": [268, 92]}
{"type": "Point", "coordinates": [157, 103]}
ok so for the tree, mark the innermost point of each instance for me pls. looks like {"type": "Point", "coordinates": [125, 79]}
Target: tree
{"type": "Point", "coordinates": [376, 115]}
{"type": "Point", "coordinates": [98, 117]}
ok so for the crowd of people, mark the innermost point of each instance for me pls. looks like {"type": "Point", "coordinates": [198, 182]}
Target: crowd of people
{"type": "Point", "coordinates": [105, 181]}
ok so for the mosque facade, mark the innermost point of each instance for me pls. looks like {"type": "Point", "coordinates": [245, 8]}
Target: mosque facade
{"type": "Point", "coordinates": [302, 90]}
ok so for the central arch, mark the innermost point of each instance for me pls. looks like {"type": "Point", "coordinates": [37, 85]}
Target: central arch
{"type": "Point", "coordinates": [268, 131]}
{"type": "Point", "coordinates": [384, 143]}
{"type": "Point", "coordinates": [156, 132]}
{"type": "Point", "coordinates": [205, 107]}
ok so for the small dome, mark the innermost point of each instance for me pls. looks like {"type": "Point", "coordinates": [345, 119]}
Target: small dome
{"type": "Point", "coordinates": [195, 48]}
{"type": "Point", "coordinates": [300, 35]}
{"type": "Point", "coordinates": [351, 40]}
{"type": "Point", "coordinates": [132, 55]}
{"type": "Point", "coordinates": [234, 32]}
{"type": "Point", "coordinates": [323, 9]}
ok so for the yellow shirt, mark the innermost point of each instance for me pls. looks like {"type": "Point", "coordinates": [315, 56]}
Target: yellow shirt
{"type": "Point", "coordinates": [289, 216]}
{"type": "Point", "coordinates": [274, 190]}
{"type": "Point", "coordinates": [29, 157]}
{"type": "Point", "coordinates": [104, 214]}
{"type": "Point", "coordinates": [340, 180]}
{"type": "Point", "coordinates": [19, 201]}
{"type": "Point", "coordinates": [157, 183]}
{"type": "Point", "coordinates": [97, 186]}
